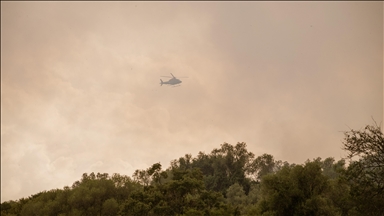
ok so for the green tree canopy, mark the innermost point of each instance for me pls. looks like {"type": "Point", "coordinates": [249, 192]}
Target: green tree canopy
{"type": "Point", "coordinates": [366, 170]}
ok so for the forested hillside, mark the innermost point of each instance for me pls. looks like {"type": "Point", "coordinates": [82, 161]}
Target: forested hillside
{"type": "Point", "coordinates": [229, 180]}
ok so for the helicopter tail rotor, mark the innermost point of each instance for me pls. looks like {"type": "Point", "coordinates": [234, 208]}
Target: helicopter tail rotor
{"type": "Point", "coordinates": [161, 84]}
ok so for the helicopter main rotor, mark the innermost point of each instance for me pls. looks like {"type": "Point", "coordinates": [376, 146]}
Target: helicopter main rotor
{"type": "Point", "coordinates": [173, 76]}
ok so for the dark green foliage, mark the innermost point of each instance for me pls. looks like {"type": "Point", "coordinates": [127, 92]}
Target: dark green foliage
{"type": "Point", "coordinates": [366, 170]}
{"type": "Point", "coordinates": [228, 181]}
{"type": "Point", "coordinates": [93, 195]}
{"type": "Point", "coordinates": [184, 194]}
{"type": "Point", "coordinates": [264, 165]}
{"type": "Point", "coordinates": [298, 190]}
{"type": "Point", "coordinates": [223, 167]}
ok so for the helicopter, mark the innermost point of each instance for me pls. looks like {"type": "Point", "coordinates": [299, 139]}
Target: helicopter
{"type": "Point", "coordinates": [173, 81]}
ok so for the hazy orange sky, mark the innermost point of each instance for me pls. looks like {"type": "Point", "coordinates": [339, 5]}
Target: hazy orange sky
{"type": "Point", "coordinates": [80, 83]}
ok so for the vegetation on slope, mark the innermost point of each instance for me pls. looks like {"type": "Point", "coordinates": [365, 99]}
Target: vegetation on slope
{"type": "Point", "coordinates": [229, 181]}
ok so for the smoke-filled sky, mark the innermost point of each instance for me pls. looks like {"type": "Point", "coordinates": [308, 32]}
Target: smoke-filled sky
{"type": "Point", "coordinates": [80, 85]}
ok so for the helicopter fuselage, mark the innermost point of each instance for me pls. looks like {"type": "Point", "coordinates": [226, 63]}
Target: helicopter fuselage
{"type": "Point", "coordinates": [172, 81]}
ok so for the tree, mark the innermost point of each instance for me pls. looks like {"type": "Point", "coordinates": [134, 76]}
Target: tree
{"type": "Point", "coordinates": [263, 165]}
{"type": "Point", "coordinates": [226, 166]}
{"type": "Point", "coordinates": [124, 187]}
{"type": "Point", "coordinates": [236, 195]}
{"type": "Point", "coordinates": [223, 183]}
{"type": "Point", "coordinates": [366, 170]}
{"type": "Point", "coordinates": [151, 175]}
{"type": "Point", "coordinates": [184, 194]}
{"type": "Point", "coordinates": [367, 143]}
{"type": "Point", "coordinates": [110, 207]}
{"type": "Point", "coordinates": [296, 190]}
